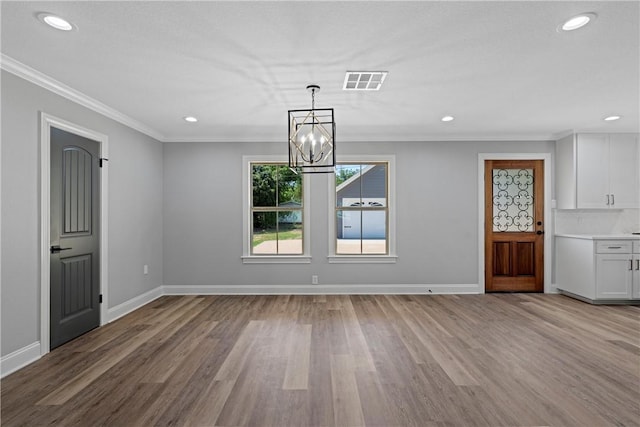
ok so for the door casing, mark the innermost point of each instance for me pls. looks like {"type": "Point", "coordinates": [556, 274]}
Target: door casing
{"type": "Point", "coordinates": [549, 224]}
{"type": "Point", "coordinates": [48, 121]}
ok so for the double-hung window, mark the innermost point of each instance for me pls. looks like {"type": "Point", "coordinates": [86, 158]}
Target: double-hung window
{"type": "Point", "coordinates": [275, 201]}
{"type": "Point", "coordinates": [362, 210]}
{"type": "Point", "coordinates": [276, 210]}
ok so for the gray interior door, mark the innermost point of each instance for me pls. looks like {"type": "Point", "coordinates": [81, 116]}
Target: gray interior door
{"type": "Point", "coordinates": [75, 268]}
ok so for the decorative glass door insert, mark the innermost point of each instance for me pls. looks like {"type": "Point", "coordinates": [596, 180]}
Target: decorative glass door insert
{"type": "Point", "coordinates": [513, 200]}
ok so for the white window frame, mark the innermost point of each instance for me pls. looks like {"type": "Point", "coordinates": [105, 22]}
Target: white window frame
{"type": "Point", "coordinates": [247, 257]}
{"type": "Point", "coordinates": [389, 258]}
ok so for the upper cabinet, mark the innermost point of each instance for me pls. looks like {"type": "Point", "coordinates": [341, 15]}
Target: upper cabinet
{"type": "Point", "coordinates": [598, 171]}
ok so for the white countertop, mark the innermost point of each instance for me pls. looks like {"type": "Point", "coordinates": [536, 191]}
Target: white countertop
{"type": "Point", "coordinates": [601, 236]}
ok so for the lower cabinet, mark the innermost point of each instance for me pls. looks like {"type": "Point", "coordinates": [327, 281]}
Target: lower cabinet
{"type": "Point", "coordinates": [598, 270]}
{"type": "Point", "coordinates": [636, 270]}
{"type": "Point", "coordinates": [614, 276]}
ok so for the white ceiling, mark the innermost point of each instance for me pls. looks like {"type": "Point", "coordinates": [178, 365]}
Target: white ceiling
{"type": "Point", "coordinates": [500, 68]}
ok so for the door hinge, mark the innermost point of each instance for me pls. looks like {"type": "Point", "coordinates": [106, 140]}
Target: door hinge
{"type": "Point", "coordinates": [100, 299]}
{"type": "Point", "coordinates": [101, 161]}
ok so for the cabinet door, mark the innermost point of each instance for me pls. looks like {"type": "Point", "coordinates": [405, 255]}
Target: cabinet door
{"type": "Point", "coordinates": [624, 182]}
{"type": "Point", "coordinates": [614, 276]}
{"type": "Point", "coordinates": [592, 171]}
{"type": "Point", "coordinates": [636, 277]}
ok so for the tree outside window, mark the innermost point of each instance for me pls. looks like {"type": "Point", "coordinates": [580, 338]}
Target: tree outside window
{"type": "Point", "coordinates": [276, 210]}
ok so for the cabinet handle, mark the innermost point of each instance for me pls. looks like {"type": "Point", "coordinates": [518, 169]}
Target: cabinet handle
{"type": "Point", "coordinates": [638, 264]}
{"type": "Point", "coordinates": [613, 199]}
{"type": "Point", "coordinates": [608, 200]}
{"type": "Point", "coordinates": [614, 247]}
{"type": "Point", "coordinates": [630, 264]}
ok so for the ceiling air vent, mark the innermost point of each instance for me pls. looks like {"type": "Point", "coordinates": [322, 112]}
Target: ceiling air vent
{"type": "Point", "coordinates": [364, 80]}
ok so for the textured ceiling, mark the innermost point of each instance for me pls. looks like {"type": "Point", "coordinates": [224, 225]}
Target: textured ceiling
{"type": "Point", "coordinates": [500, 68]}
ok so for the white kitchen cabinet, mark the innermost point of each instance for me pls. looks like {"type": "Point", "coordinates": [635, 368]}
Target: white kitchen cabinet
{"type": "Point", "coordinates": [614, 276]}
{"type": "Point", "coordinates": [624, 170]}
{"type": "Point", "coordinates": [598, 171]}
{"type": "Point", "coordinates": [598, 269]}
{"type": "Point", "coordinates": [636, 270]}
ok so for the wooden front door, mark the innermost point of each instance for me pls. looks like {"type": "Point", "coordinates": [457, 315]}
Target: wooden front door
{"type": "Point", "coordinates": [514, 225]}
{"type": "Point", "coordinates": [75, 268]}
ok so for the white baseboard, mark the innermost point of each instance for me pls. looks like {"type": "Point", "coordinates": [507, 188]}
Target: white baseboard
{"type": "Point", "coordinates": [133, 304]}
{"type": "Point", "coordinates": [321, 289]}
{"type": "Point", "coordinates": [19, 358]}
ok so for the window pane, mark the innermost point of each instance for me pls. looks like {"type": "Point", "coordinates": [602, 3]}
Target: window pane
{"type": "Point", "coordinates": [277, 233]}
{"type": "Point", "coordinates": [290, 232]}
{"type": "Point", "coordinates": [349, 232]}
{"type": "Point", "coordinates": [374, 232]}
{"type": "Point", "coordinates": [265, 233]}
{"type": "Point", "coordinates": [513, 200]}
{"type": "Point", "coordinates": [374, 185]}
{"type": "Point", "coordinates": [263, 180]}
{"type": "Point", "coordinates": [348, 185]}
{"type": "Point", "coordinates": [289, 188]}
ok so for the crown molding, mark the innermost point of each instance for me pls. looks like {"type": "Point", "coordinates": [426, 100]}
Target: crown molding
{"type": "Point", "coordinates": [563, 134]}
{"type": "Point", "coordinates": [384, 138]}
{"type": "Point", "coordinates": [25, 72]}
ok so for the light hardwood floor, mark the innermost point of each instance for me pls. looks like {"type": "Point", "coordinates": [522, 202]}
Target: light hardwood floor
{"type": "Point", "coordinates": [485, 360]}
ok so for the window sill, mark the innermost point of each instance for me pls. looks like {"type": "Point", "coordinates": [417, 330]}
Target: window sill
{"type": "Point", "coordinates": [362, 259]}
{"type": "Point", "coordinates": [280, 259]}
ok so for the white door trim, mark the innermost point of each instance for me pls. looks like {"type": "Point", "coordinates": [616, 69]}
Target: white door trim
{"type": "Point", "coordinates": [548, 223]}
{"type": "Point", "coordinates": [46, 123]}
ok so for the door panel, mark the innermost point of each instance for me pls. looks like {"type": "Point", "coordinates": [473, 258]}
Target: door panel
{"type": "Point", "coordinates": [514, 243]}
{"type": "Point", "coordinates": [76, 208]}
{"type": "Point", "coordinates": [74, 280]}
{"type": "Point", "coordinates": [501, 257]}
{"type": "Point", "coordinates": [525, 258]}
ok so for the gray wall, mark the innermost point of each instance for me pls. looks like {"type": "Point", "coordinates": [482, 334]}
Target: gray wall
{"type": "Point", "coordinates": [436, 201]}
{"type": "Point", "coordinates": [189, 195]}
{"type": "Point", "coordinates": [135, 206]}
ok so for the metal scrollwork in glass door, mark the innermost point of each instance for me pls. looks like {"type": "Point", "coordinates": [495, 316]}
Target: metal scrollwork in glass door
{"type": "Point", "coordinates": [513, 200]}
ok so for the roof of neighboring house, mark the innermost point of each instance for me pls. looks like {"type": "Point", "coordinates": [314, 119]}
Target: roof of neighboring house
{"type": "Point", "coordinates": [291, 204]}
{"type": "Point", "coordinates": [354, 178]}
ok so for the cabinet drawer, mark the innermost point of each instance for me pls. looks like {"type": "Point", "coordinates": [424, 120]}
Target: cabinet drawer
{"type": "Point", "coordinates": [636, 247]}
{"type": "Point", "coordinates": [613, 247]}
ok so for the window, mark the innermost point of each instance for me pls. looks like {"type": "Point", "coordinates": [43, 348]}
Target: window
{"type": "Point", "coordinates": [276, 210]}
{"type": "Point", "coordinates": [274, 213]}
{"type": "Point", "coordinates": [362, 212]}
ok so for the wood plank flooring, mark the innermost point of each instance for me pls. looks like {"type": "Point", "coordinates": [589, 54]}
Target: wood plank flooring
{"type": "Point", "coordinates": [454, 360]}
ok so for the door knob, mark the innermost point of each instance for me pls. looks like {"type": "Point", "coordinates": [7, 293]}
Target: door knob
{"type": "Point", "coordinates": [55, 249]}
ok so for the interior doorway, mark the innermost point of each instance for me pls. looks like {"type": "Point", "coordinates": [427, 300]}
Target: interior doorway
{"type": "Point", "coordinates": [74, 262]}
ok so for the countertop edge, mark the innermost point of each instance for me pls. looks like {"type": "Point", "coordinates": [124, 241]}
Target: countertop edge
{"type": "Point", "coordinates": [600, 236]}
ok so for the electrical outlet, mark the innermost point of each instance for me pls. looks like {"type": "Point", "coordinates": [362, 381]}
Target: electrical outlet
{"type": "Point", "coordinates": [314, 280]}
{"type": "Point", "coordinates": [145, 269]}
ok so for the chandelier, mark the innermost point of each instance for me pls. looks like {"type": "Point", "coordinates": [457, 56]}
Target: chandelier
{"type": "Point", "coordinates": [312, 138]}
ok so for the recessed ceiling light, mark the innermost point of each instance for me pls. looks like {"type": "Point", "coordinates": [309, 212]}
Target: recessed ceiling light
{"type": "Point", "coordinates": [190, 119]}
{"type": "Point", "coordinates": [578, 21]}
{"type": "Point", "coordinates": [56, 22]}
{"type": "Point", "coordinates": [612, 118]}
{"type": "Point", "coordinates": [447, 118]}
